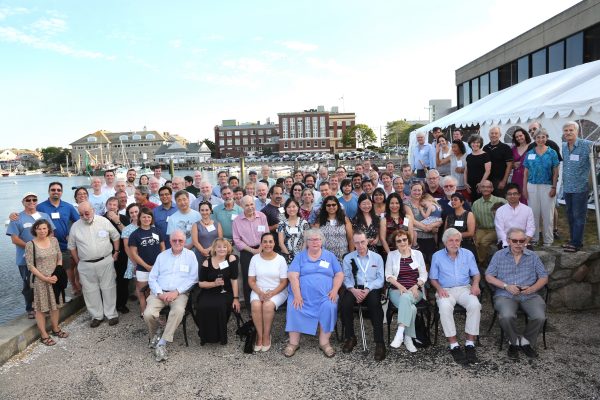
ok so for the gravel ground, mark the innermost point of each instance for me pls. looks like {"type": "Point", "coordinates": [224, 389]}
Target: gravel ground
{"type": "Point", "coordinates": [115, 363]}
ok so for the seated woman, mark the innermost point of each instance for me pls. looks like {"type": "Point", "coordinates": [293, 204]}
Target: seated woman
{"type": "Point", "coordinates": [267, 277]}
{"type": "Point", "coordinates": [406, 273]}
{"type": "Point", "coordinates": [315, 277]}
{"type": "Point", "coordinates": [218, 279]}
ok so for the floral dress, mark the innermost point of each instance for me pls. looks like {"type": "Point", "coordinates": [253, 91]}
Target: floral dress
{"type": "Point", "coordinates": [336, 240]}
{"type": "Point", "coordinates": [45, 261]}
{"type": "Point", "coordinates": [293, 236]}
{"type": "Point", "coordinates": [371, 231]}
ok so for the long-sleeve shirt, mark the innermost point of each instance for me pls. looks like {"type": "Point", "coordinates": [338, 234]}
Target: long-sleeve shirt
{"type": "Point", "coordinates": [247, 232]}
{"type": "Point", "coordinates": [453, 272]}
{"type": "Point", "coordinates": [392, 264]}
{"type": "Point", "coordinates": [424, 153]}
{"type": "Point", "coordinates": [508, 217]}
{"type": "Point", "coordinates": [369, 267]}
{"type": "Point", "coordinates": [173, 272]}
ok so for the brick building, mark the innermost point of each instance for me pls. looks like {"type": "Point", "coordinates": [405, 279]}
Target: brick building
{"type": "Point", "coordinates": [233, 139]}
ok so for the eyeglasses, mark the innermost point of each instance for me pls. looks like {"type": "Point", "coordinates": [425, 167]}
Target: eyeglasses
{"type": "Point", "coordinates": [313, 240]}
{"type": "Point", "coordinates": [402, 240]}
{"type": "Point", "coordinates": [449, 186]}
{"type": "Point", "coordinates": [30, 200]}
{"type": "Point", "coordinates": [532, 130]}
{"type": "Point", "coordinates": [56, 190]}
{"type": "Point", "coordinates": [520, 241]}
{"type": "Point", "coordinates": [331, 205]}
{"type": "Point", "coordinates": [177, 240]}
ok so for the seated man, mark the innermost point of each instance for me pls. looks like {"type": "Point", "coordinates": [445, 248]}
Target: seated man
{"type": "Point", "coordinates": [173, 274]}
{"type": "Point", "coordinates": [451, 272]}
{"type": "Point", "coordinates": [514, 214]}
{"type": "Point", "coordinates": [518, 274]}
{"type": "Point", "coordinates": [363, 279]}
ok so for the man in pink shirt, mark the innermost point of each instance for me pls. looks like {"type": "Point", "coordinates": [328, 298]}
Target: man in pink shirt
{"type": "Point", "coordinates": [247, 230]}
{"type": "Point", "coordinates": [514, 214]}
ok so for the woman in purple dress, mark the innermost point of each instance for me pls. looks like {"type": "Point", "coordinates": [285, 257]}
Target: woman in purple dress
{"type": "Point", "coordinates": [521, 142]}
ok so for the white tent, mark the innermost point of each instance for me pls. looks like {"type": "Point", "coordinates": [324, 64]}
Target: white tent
{"type": "Point", "coordinates": [552, 99]}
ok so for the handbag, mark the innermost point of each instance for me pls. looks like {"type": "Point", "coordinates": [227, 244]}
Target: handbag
{"type": "Point", "coordinates": [247, 332]}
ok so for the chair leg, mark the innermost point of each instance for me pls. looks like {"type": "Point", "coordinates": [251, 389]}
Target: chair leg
{"type": "Point", "coordinates": [493, 321]}
{"type": "Point", "coordinates": [501, 338]}
{"type": "Point", "coordinates": [435, 327]}
{"type": "Point", "coordinates": [544, 334]}
{"type": "Point", "coordinates": [184, 325]}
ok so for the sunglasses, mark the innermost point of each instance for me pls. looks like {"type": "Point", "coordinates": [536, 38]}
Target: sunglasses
{"type": "Point", "coordinates": [401, 240]}
{"type": "Point", "coordinates": [331, 205]}
{"type": "Point", "coordinates": [30, 200]}
{"type": "Point", "coordinates": [520, 241]}
{"type": "Point", "coordinates": [56, 190]}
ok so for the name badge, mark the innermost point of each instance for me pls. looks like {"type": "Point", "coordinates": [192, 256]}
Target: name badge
{"type": "Point", "coordinates": [281, 210]}
{"type": "Point", "coordinates": [531, 157]}
{"type": "Point", "coordinates": [27, 225]}
{"type": "Point", "coordinates": [293, 230]}
{"type": "Point", "coordinates": [155, 236]}
{"type": "Point", "coordinates": [261, 228]}
{"type": "Point", "coordinates": [210, 228]}
{"type": "Point", "coordinates": [323, 264]}
{"type": "Point", "coordinates": [459, 164]}
{"type": "Point", "coordinates": [382, 215]}
{"type": "Point", "coordinates": [333, 222]}
{"type": "Point", "coordinates": [184, 268]}
{"type": "Point", "coordinates": [55, 215]}
{"type": "Point", "coordinates": [167, 219]}
{"type": "Point", "coordinates": [102, 234]}
{"type": "Point", "coordinates": [223, 264]}
{"type": "Point", "coordinates": [233, 216]}
{"type": "Point", "coordinates": [459, 223]}
{"type": "Point", "coordinates": [36, 216]}
{"type": "Point", "coordinates": [422, 151]}
{"type": "Point", "coordinates": [574, 157]}
{"type": "Point", "coordinates": [413, 265]}
{"type": "Point", "coordinates": [406, 221]}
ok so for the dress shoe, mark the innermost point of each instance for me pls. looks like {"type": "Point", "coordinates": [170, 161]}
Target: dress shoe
{"type": "Point", "coordinates": [471, 354]}
{"type": "Point", "coordinates": [458, 355]}
{"type": "Point", "coordinates": [349, 345]}
{"type": "Point", "coordinates": [513, 352]}
{"type": "Point", "coordinates": [123, 310]}
{"type": "Point", "coordinates": [267, 348]}
{"type": "Point", "coordinates": [95, 323]}
{"type": "Point", "coordinates": [529, 351]}
{"type": "Point", "coordinates": [379, 352]}
{"type": "Point", "coordinates": [113, 321]}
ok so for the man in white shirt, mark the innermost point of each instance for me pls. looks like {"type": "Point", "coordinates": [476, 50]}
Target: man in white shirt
{"type": "Point", "coordinates": [514, 214]}
{"type": "Point", "coordinates": [158, 175]}
{"type": "Point", "coordinates": [109, 183]}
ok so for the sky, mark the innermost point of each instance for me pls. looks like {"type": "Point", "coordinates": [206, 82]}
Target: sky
{"type": "Point", "coordinates": [70, 67]}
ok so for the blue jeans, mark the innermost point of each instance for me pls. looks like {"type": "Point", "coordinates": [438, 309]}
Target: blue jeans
{"type": "Point", "coordinates": [576, 215]}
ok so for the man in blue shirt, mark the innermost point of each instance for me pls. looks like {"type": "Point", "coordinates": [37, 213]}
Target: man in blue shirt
{"type": "Point", "coordinates": [422, 156]}
{"type": "Point", "coordinates": [576, 172]}
{"type": "Point", "coordinates": [184, 218]}
{"type": "Point", "coordinates": [518, 274]}
{"type": "Point", "coordinates": [20, 233]}
{"type": "Point", "coordinates": [455, 276]}
{"type": "Point", "coordinates": [164, 211]}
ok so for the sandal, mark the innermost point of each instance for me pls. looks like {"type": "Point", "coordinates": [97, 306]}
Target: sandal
{"type": "Point", "coordinates": [327, 350]}
{"type": "Point", "coordinates": [30, 314]}
{"type": "Point", "coordinates": [571, 249]}
{"type": "Point", "coordinates": [290, 349]}
{"type": "Point", "coordinates": [60, 334]}
{"type": "Point", "coordinates": [48, 341]}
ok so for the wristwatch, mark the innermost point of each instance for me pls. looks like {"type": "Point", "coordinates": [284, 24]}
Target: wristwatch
{"type": "Point", "coordinates": [504, 286]}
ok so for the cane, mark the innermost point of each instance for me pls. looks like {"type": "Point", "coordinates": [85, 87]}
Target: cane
{"type": "Point", "coordinates": [362, 327]}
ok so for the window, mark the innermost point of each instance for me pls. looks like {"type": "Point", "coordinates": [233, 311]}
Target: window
{"type": "Point", "coordinates": [494, 81]}
{"type": "Point", "coordinates": [467, 93]}
{"type": "Point", "coordinates": [315, 127]}
{"type": "Point", "coordinates": [460, 95]}
{"type": "Point", "coordinates": [556, 57]}
{"type": "Point", "coordinates": [237, 141]}
{"type": "Point", "coordinates": [300, 144]}
{"type": "Point", "coordinates": [260, 140]}
{"type": "Point", "coordinates": [245, 141]}
{"type": "Point", "coordinates": [523, 68]}
{"type": "Point", "coordinates": [293, 144]}
{"type": "Point", "coordinates": [538, 63]}
{"type": "Point", "coordinates": [237, 133]}
{"type": "Point", "coordinates": [150, 136]}
{"type": "Point", "coordinates": [92, 139]}
{"type": "Point", "coordinates": [322, 143]}
{"type": "Point", "coordinates": [574, 53]}
{"type": "Point", "coordinates": [228, 133]}
{"type": "Point", "coordinates": [285, 145]}
{"type": "Point", "coordinates": [322, 126]}
{"type": "Point", "coordinates": [592, 44]}
{"type": "Point", "coordinates": [300, 128]}
{"type": "Point", "coordinates": [252, 141]}
{"type": "Point", "coordinates": [308, 143]}
{"type": "Point", "coordinates": [123, 138]}
{"type": "Point", "coordinates": [484, 85]}
{"type": "Point", "coordinates": [292, 128]}
{"type": "Point", "coordinates": [505, 76]}
{"type": "Point", "coordinates": [315, 143]}
{"type": "Point", "coordinates": [136, 137]}
{"type": "Point", "coordinates": [475, 89]}
{"type": "Point", "coordinates": [221, 133]}
{"type": "Point", "coordinates": [229, 142]}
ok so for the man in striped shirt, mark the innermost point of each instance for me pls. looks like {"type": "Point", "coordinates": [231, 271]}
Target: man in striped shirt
{"type": "Point", "coordinates": [486, 230]}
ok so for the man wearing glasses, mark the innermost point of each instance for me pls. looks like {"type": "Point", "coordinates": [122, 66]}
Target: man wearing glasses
{"type": "Point", "coordinates": [513, 215]}
{"type": "Point", "coordinates": [19, 231]}
{"type": "Point", "coordinates": [518, 274]}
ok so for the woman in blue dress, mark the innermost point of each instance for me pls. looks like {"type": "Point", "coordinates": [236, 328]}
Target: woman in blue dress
{"type": "Point", "coordinates": [315, 277]}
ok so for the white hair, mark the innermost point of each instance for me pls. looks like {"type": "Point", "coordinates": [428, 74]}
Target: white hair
{"type": "Point", "coordinates": [450, 232]}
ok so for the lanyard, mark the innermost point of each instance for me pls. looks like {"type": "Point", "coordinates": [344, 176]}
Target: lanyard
{"type": "Point", "coordinates": [363, 268]}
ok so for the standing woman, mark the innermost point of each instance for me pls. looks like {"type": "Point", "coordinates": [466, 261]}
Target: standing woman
{"type": "Point", "coordinates": [47, 257]}
{"type": "Point", "coordinates": [463, 221]}
{"type": "Point", "coordinates": [521, 142]}
{"type": "Point", "coordinates": [296, 191]}
{"type": "Point", "coordinates": [81, 194]}
{"type": "Point", "coordinates": [442, 156]}
{"type": "Point", "coordinates": [478, 167]}
{"type": "Point", "coordinates": [397, 216]}
{"type": "Point", "coordinates": [336, 228]}
{"type": "Point", "coordinates": [541, 174]}
{"type": "Point", "coordinates": [133, 211]}
{"type": "Point", "coordinates": [144, 180]}
{"type": "Point", "coordinates": [425, 233]}
{"type": "Point", "coordinates": [308, 198]}
{"type": "Point", "coordinates": [458, 164]}
{"type": "Point", "coordinates": [367, 221]}
{"type": "Point", "coordinates": [205, 232]}
{"type": "Point", "coordinates": [378, 198]}
{"type": "Point", "coordinates": [267, 277]}
{"type": "Point", "coordinates": [218, 279]}
{"type": "Point", "coordinates": [406, 273]}
{"type": "Point", "coordinates": [145, 244]}
{"type": "Point", "coordinates": [290, 232]}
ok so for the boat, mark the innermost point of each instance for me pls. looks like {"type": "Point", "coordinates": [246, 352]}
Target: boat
{"type": "Point", "coordinates": [281, 171]}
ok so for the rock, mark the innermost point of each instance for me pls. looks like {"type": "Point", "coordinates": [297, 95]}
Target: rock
{"type": "Point", "coordinates": [594, 275]}
{"type": "Point", "coordinates": [581, 273]}
{"type": "Point", "coordinates": [576, 296]}
{"type": "Point", "coordinates": [557, 284]}
{"type": "Point", "coordinates": [548, 259]}
{"type": "Point", "coordinates": [561, 274]}
{"type": "Point", "coordinates": [573, 260]}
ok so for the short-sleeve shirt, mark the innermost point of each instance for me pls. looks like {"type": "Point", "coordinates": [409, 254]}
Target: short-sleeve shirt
{"type": "Point", "coordinates": [62, 217]}
{"type": "Point", "coordinates": [539, 167]}
{"type": "Point", "coordinates": [453, 273]}
{"type": "Point", "coordinates": [98, 202]}
{"type": "Point", "coordinates": [183, 222]}
{"type": "Point", "coordinates": [22, 228]}
{"type": "Point", "coordinates": [225, 217]}
{"type": "Point", "coordinates": [147, 243]}
{"type": "Point", "coordinates": [268, 273]}
{"type": "Point", "coordinates": [576, 166]}
{"type": "Point", "coordinates": [529, 269]}
{"type": "Point", "coordinates": [500, 154]}
{"type": "Point", "coordinates": [161, 220]}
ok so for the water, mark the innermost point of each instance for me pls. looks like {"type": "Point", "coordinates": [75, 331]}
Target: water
{"type": "Point", "coordinates": [11, 189]}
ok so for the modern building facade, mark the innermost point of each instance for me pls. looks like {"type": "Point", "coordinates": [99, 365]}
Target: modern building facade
{"type": "Point", "coordinates": [234, 140]}
{"type": "Point", "coordinates": [568, 39]}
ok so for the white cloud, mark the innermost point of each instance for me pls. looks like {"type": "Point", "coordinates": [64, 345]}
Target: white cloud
{"type": "Point", "coordinates": [9, 11]}
{"type": "Point", "coordinates": [299, 46]}
{"type": "Point", "coordinates": [49, 26]}
{"type": "Point", "coordinates": [246, 64]}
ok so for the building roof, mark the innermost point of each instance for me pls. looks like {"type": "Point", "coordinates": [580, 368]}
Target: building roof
{"type": "Point", "coordinates": [104, 137]}
{"type": "Point", "coordinates": [176, 147]}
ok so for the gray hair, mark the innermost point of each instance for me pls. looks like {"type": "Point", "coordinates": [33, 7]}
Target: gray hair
{"type": "Point", "coordinates": [177, 232]}
{"type": "Point", "coordinates": [449, 178]}
{"type": "Point", "coordinates": [449, 233]}
{"type": "Point", "coordinates": [312, 232]}
{"type": "Point", "coordinates": [246, 198]}
{"type": "Point", "coordinates": [572, 123]}
{"type": "Point", "coordinates": [541, 131]}
{"type": "Point", "coordinates": [514, 230]}
{"type": "Point", "coordinates": [143, 189]}
{"type": "Point", "coordinates": [432, 171]}
{"type": "Point", "coordinates": [261, 184]}
{"type": "Point", "coordinates": [493, 127]}
{"type": "Point", "coordinates": [420, 134]}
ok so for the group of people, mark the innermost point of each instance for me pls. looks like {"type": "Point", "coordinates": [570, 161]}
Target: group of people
{"type": "Point", "coordinates": [318, 243]}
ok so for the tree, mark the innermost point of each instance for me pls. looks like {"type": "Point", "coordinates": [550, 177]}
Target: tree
{"type": "Point", "coordinates": [359, 134]}
{"type": "Point", "coordinates": [210, 144]}
{"type": "Point", "coordinates": [55, 155]}
{"type": "Point", "coordinates": [398, 132]}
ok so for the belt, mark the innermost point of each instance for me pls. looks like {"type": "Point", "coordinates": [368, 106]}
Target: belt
{"type": "Point", "coordinates": [95, 260]}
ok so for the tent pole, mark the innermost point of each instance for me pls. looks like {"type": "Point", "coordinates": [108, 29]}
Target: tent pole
{"type": "Point", "coordinates": [595, 188]}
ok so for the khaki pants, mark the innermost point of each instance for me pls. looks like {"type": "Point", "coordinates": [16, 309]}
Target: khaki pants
{"type": "Point", "coordinates": [99, 287]}
{"type": "Point", "coordinates": [484, 238]}
{"type": "Point", "coordinates": [175, 315]}
{"type": "Point", "coordinates": [461, 295]}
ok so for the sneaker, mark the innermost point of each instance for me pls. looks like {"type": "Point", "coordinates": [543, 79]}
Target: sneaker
{"type": "Point", "coordinates": [397, 342]}
{"type": "Point", "coordinates": [154, 340]}
{"type": "Point", "coordinates": [160, 353]}
{"type": "Point", "coordinates": [408, 343]}
{"type": "Point", "coordinates": [513, 352]}
{"type": "Point", "coordinates": [529, 351]}
{"type": "Point", "coordinates": [471, 354]}
{"type": "Point", "coordinates": [458, 355]}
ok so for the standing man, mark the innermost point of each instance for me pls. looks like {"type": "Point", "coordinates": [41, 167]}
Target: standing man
{"type": "Point", "coordinates": [274, 210]}
{"type": "Point", "coordinates": [164, 211]}
{"type": "Point", "coordinates": [518, 274]}
{"type": "Point", "coordinates": [265, 171]}
{"type": "Point", "coordinates": [221, 181]}
{"type": "Point", "coordinates": [154, 185]}
{"type": "Point", "coordinates": [142, 195]}
{"type": "Point", "coordinates": [334, 186]}
{"type": "Point", "coordinates": [227, 212]}
{"type": "Point", "coordinates": [253, 177]}
{"type": "Point", "coordinates": [20, 233]}
{"type": "Point", "coordinates": [109, 183]}
{"type": "Point", "coordinates": [247, 231]}
{"type": "Point", "coordinates": [502, 160]}
{"type": "Point", "coordinates": [94, 245]}
{"type": "Point", "coordinates": [158, 175]}
{"type": "Point", "coordinates": [348, 200]}
{"type": "Point", "coordinates": [390, 168]}
{"type": "Point", "coordinates": [189, 185]}
{"type": "Point", "coordinates": [576, 172]}
{"type": "Point", "coordinates": [173, 274]}
{"type": "Point", "coordinates": [455, 277]}
{"type": "Point", "coordinates": [323, 176]}
{"type": "Point", "coordinates": [457, 134]}
{"type": "Point", "coordinates": [422, 158]}
{"type": "Point", "coordinates": [407, 178]}
{"type": "Point", "coordinates": [207, 194]}
{"type": "Point", "coordinates": [341, 173]}
{"type": "Point", "coordinates": [287, 187]}
{"type": "Point", "coordinates": [184, 218]}
{"type": "Point", "coordinates": [119, 222]}
{"type": "Point", "coordinates": [262, 191]}
{"type": "Point", "coordinates": [97, 197]}
{"type": "Point", "coordinates": [436, 132]}
{"type": "Point", "coordinates": [197, 179]}
{"type": "Point", "coordinates": [363, 280]}
{"type": "Point", "coordinates": [432, 184]}
{"type": "Point", "coordinates": [514, 215]}
{"type": "Point", "coordinates": [130, 183]}
{"type": "Point", "coordinates": [485, 236]}
{"type": "Point", "coordinates": [387, 183]}
{"type": "Point", "coordinates": [357, 189]}
{"type": "Point", "coordinates": [178, 184]}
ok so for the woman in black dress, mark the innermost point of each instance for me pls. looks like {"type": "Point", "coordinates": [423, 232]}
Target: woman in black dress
{"type": "Point", "coordinates": [367, 221]}
{"type": "Point", "coordinates": [478, 167]}
{"type": "Point", "coordinates": [463, 221]}
{"type": "Point", "coordinates": [218, 279]}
